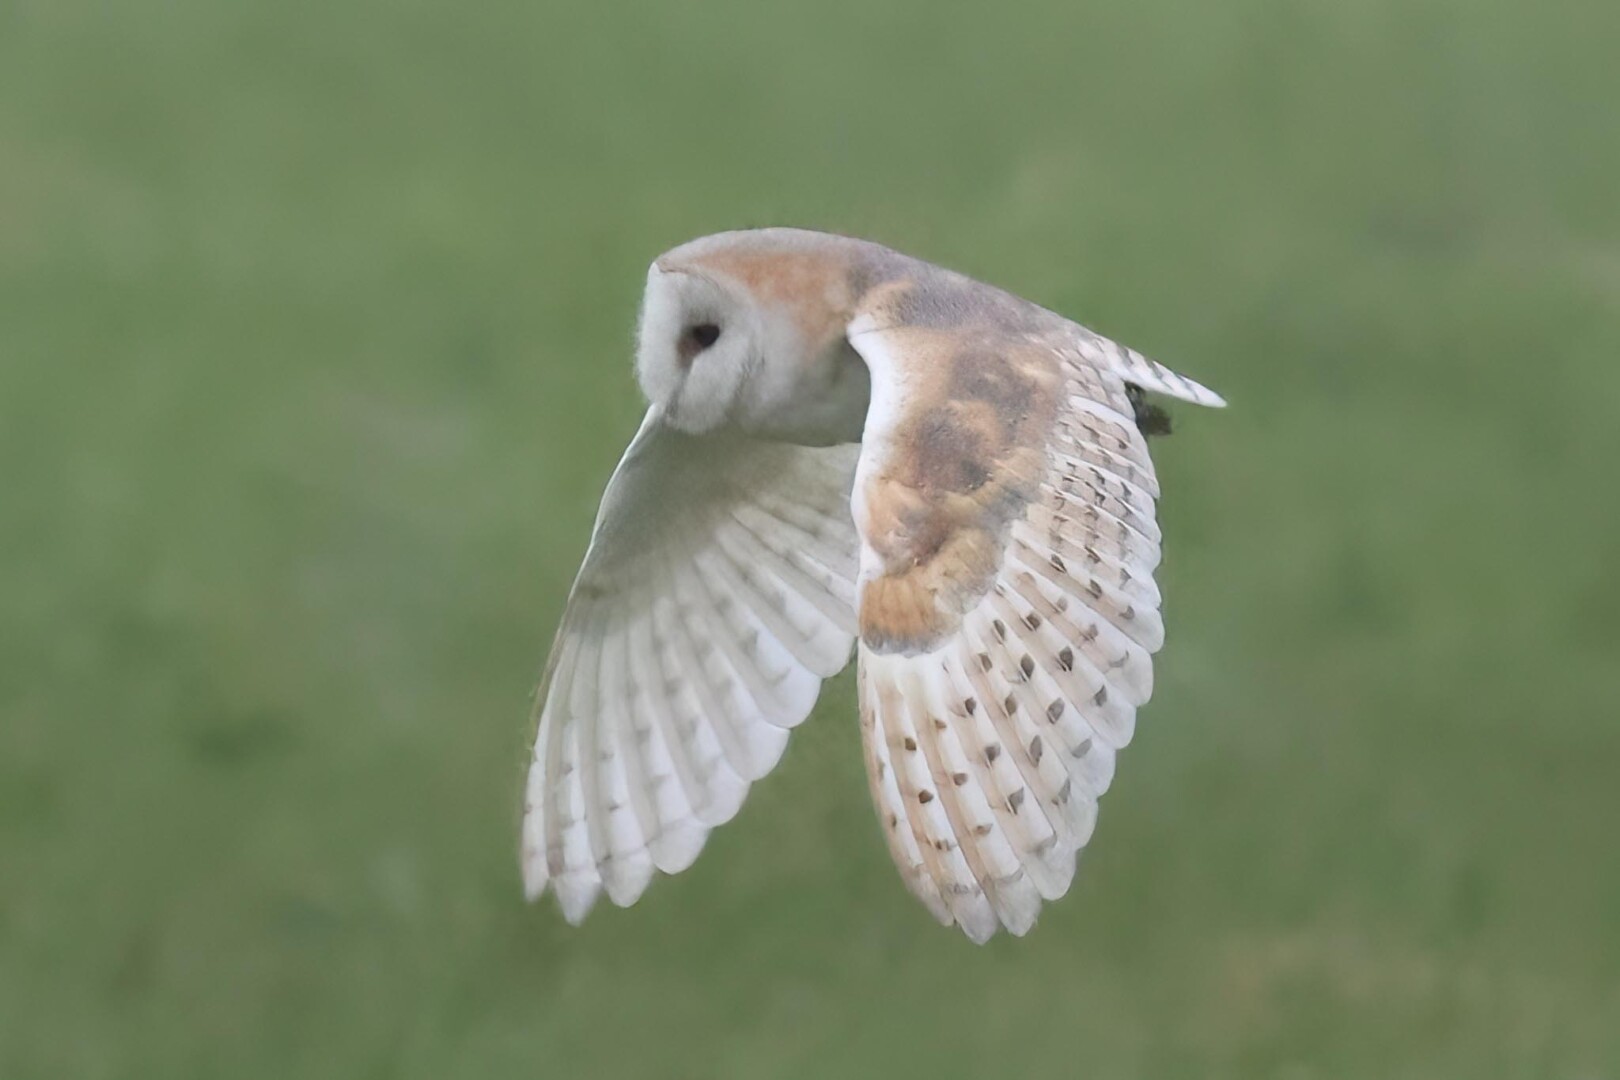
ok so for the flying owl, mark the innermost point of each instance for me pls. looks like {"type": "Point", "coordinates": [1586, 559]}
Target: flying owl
{"type": "Point", "coordinates": [851, 448]}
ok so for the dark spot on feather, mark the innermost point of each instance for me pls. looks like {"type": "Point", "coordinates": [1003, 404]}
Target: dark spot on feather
{"type": "Point", "coordinates": [1058, 564]}
{"type": "Point", "coordinates": [1000, 628]}
{"type": "Point", "coordinates": [971, 705]}
{"type": "Point", "coordinates": [1065, 791]}
{"type": "Point", "coordinates": [910, 743]}
{"type": "Point", "coordinates": [925, 796]}
{"type": "Point", "coordinates": [1032, 621]}
{"type": "Point", "coordinates": [959, 778]}
{"type": "Point", "coordinates": [1101, 697]}
{"type": "Point", "coordinates": [1082, 750]}
{"type": "Point", "coordinates": [984, 661]}
{"type": "Point", "coordinates": [1054, 711]}
{"type": "Point", "coordinates": [1027, 666]}
{"type": "Point", "coordinates": [1015, 800]}
{"type": "Point", "coordinates": [1036, 749]}
{"type": "Point", "coordinates": [1066, 658]}
{"type": "Point", "coordinates": [981, 830]}
{"type": "Point", "coordinates": [992, 752]}
{"type": "Point", "coordinates": [1010, 706]}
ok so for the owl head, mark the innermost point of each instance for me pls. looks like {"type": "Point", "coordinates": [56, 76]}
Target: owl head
{"type": "Point", "coordinates": [732, 324]}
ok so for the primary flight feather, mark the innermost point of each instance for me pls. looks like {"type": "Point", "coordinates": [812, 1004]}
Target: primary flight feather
{"type": "Point", "coordinates": [850, 448]}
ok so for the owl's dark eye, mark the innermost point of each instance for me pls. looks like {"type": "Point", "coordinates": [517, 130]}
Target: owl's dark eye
{"type": "Point", "coordinates": [694, 339]}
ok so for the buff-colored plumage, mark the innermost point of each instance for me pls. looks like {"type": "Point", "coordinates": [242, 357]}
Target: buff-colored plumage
{"type": "Point", "coordinates": [848, 447]}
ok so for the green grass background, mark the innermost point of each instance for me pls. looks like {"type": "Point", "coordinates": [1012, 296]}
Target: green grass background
{"type": "Point", "coordinates": [314, 357]}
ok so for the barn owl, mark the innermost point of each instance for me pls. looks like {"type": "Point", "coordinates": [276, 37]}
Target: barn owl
{"type": "Point", "coordinates": [851, 449]}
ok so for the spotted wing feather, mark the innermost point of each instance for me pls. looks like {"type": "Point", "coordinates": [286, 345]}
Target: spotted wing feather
{"type": "Point", "coordinates": [1006, 602]}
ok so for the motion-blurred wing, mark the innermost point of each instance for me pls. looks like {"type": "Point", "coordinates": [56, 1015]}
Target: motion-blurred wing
{"type": "Point", "coordinates": [1006, 605]}
{"type": "Point", "coordinates": [717, 593]}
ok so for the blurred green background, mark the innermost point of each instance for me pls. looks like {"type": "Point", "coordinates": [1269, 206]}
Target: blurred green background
{"type": "Point", "coordinates": [314, 357]}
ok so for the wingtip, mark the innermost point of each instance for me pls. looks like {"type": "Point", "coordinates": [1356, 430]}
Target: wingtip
{"type": "Point", "coordinates": [1019, 919]}
{"type": "Point", "coordinates": [1199, 394]}
{"type": "Point", "coordinates": [629, 879]}
{"type": "Point", "coordinates": [678, 846]}
{"type": "Point", "coordinates": [979, 931]}
{"type": "Point", "coordinates": [534, 885]}
{"type": "Point", "coordinates": [576, 899]}
{"type": "Point", "coordinates": [532, 865]}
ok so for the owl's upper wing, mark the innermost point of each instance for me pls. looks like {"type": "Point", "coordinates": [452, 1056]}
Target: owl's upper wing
{"type": "Point", "coordinates": [1006, 605]}
{"type": "Point", "coordinates": [717, 593]}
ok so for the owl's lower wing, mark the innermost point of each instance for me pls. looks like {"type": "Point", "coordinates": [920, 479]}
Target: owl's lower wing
{"type": "Point", "coordinates": [1006, 605]}
{"type": "Point", "coordinates": [717, 594]}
